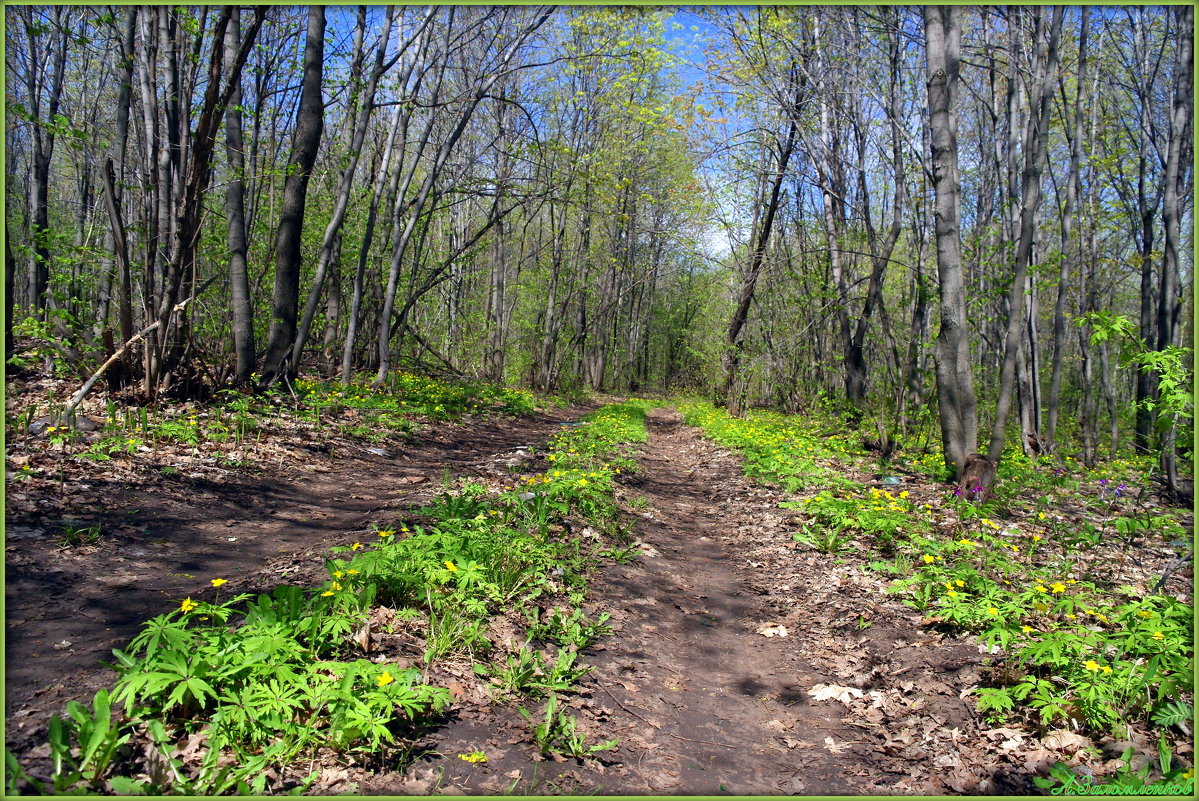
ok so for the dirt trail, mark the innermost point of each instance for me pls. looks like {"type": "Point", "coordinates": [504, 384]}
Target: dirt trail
{"type": "Point", "coordinates": [702, 701]}
{"type": "Point", "coordinates": [707, 703]}
{"type": "Point", "coordinates": [166, 536]}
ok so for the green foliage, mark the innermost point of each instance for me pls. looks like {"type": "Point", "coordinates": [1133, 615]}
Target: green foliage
{"type": "Point", "coordinates": [557, 733]}
{"type": "Point", "coordinates": [571, 630]}
{"type": "Point", "coordinates": [73, 534]}
{"type": "Point", "coordinates": [83, 745]}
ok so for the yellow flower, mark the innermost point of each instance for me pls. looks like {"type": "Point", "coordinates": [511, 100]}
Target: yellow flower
{"type": "Point", "coordinates": [450, 566]}
{"type": "Point", "coordinates": [1027, 629]}
{"type": "Point", "coordinates": [928, 560]}
{"type": "Point", "coordinates": [474, 756]}
{"type": "Point", "coordinates": [337, 574]}
{"type": "Point", "coordinates": [952, 594]}
{"type": "Point", "coordinates": [1040, 515]}
{"type": "Point", "coordinates": [992, 611]}
{"type": "Point", "coordinates": [326, 593]}
{"type": "Point", "coordinates": [1041, 588]}
{"type": "Point", "coordinates": [960, 583]}
{"type": "Point", "coordinates": [384, 679]}
{"type": "Point", "coordinates": [386, 533]}
{"type": "Point", "coordinates": [1036, 537]}
{"type": "Point", "coordinates": [187, 605]}
{"type": "Point", "coordinates": [1057, 587]}
{"type": "Point", "coordinates": [355, 546]}
{"type": "Point", "coordinates": [335, 586]}
{"type": "Point", "coordinates": [219, 582]}
{"type": "Point", "coordinates": [1144, 614]}
{"type": "Point", "coordinates": [351, 572]}
{"type": "Point", "coordinates": [1157, 635]}
{"type": "Point", "coordinates": [1106, 669]}
{"type": "Point", "coordinates": [967, 542]}
{"type": "Point", "coordinates": [582, 482]}
{"type": "Point", "coordinates": [903, 494]}
{"type": "Point", "coordinates": [1091, 665]}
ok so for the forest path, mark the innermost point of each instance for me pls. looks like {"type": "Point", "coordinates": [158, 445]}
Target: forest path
{"type": "Point", "coordinates": [167, 534]}
{"type": "Point", "coordinates": [706, 703]}
{"type": "Point", "coordinates": [702, 701]}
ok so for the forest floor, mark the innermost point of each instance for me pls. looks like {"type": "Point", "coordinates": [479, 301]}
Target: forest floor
{"type": "Point", "coordinates": [740, 662]}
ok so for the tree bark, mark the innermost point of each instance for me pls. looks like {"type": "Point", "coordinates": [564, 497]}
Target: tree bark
{"type": "Point", "coordinates": [1071, 253]}
{"type": "Point", "coordinates": [310, 123]}
{"type": "Point", "coordinates": [239, 280]}
{"type": "Point", "coordinates": [1035, 153]}
{"type": "Point", "coordinates": [734, 337]}
{"type": "Point", "coordinates": [1169, 303]}
{"type": "Point", "coordinates": [341, 197]}
{"type": "Point", "coordinates": [955, 387]}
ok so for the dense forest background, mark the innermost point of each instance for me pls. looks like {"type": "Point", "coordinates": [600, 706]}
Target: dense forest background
{"type": "Point", "coordinates": [928, 220]}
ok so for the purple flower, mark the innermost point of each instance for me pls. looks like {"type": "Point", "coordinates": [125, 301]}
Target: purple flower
{"type": "Point", "coordinates": [1103, 482]}
{"type": "Point", "coordinates": [957, 493]}
{"type": "Point", "coordinates": [1120, 490]}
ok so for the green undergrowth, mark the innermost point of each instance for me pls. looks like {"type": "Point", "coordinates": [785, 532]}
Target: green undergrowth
{"type": "Point", "coordinates": [216, 695]}
{"type": "Point", "coordinates": [1069, 647]}
{"type": "Point", "coordinates": [358, 411]}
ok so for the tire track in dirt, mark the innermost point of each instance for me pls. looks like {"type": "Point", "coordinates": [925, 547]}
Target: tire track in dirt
{"type": "Point", "coordinates": [703, 702]}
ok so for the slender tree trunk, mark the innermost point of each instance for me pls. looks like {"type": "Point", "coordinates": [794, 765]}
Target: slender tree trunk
{"type": "Point", "coordinates": [120, 145]}
{"type": "Point", "coordinates": [955, 388]}
{"type": "Point", "coordinates": [341, 197]}
{"type": "Point", "coordinates": [1147, 206]}
{"type": "Point", "coordinates": [239, 280]}
{"type": "Point", "coordinates": [372, 214]}
{"type": "Point", "coordinates": [481, 90]}
{"type": "Point", "coordinates": [43, 148]}
{"type": "Point", "coordinates": [734, 337]}
{"type": "Point", "coordinates": [1069, 248]}
{"type": "Point", "coordinates": [187, 219]}
{"type": "Point", "coordinates": [310, 123]}
{"type": "Point", "coordinates": [1035, 152]}
{"type": "Point", "coordinates": [1169, 303]}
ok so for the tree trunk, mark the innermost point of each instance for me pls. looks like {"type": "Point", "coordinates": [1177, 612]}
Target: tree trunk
{"type": "Point", "coordinates": [1035, 153]}
{"type": "Point", "coordinates": [43, 149]}
{"type": "Point", "coordinates": [341, 197]}
{"type": "Point", "coordinates": [1069, 246]}
{"type": "Point", "coordinates": [1169, 303]}
{"type": "Point", "coordinates": [310, 123]}
{"type": "Point", "coordinates": [239, 281]}
{"type": "Point", "coordinates": [734, 337]}
{"type": "Point", "coordinates": [955, 388]}
{"type": "Point", "coordinates": [187, 217]}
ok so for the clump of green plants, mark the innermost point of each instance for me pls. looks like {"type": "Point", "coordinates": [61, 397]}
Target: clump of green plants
{"type": "Point", "coordinates": [557, 733]}
{"type": "Point", "coordinates": [75, 534]}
